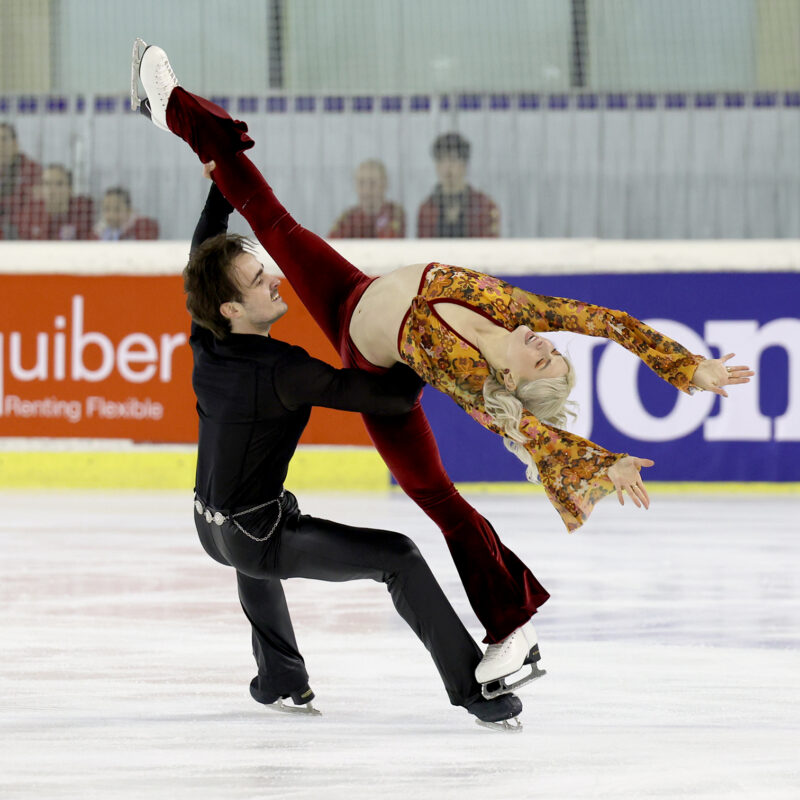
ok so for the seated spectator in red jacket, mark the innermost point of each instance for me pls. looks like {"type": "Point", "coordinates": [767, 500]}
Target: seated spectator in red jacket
{"type": "Point", "coordinates": [57, 213]}
{"type": "Point", "coordinates": [18, 175]}
{"type": "Point", "coordinates": [455, 209]}
{"type": "Point", "coordinates": [119, 221]}
{"type": "Point", "coordinates": [374, 217]}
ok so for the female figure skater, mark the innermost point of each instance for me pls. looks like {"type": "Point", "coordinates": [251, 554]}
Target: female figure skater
{"type": "Point", "coordinates": [470, 335]}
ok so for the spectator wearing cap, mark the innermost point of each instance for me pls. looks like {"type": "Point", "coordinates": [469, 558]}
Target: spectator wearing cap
{"type": "Point", "coordinates": [57, 213]}
{"type": "Point", "coordinates": [120, 222]}
{"type": "Point", "coordinates": [374, 217]}
{"type": "Point", "coordinates": [455, 209]}
{"type": "Point", "coordinates": [18, 176]}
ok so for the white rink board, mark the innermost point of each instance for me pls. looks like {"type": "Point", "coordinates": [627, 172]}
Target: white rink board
{"type": "Point", "coordinates": [671, 642]}
{"type": "Point", "coordinates": [506, 257]}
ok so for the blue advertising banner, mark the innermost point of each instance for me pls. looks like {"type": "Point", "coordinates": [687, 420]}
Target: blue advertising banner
{"type": "Point", "coordinates": [753, 435]}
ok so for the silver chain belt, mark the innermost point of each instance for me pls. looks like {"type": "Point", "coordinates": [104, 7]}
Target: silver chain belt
{"type": "Point", "coordinates": [218, 518]}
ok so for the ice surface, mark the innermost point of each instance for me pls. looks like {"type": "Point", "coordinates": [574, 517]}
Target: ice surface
{"type": "Point", "coordinates": [671, 641]}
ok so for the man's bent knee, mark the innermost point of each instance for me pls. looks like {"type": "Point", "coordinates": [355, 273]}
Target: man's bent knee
{"type": "Point", "coordinates": [405, 553]}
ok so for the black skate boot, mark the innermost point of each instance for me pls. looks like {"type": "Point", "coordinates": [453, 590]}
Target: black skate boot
{"type": "Point", "coordinates": [498, 714]}
{"type": "Point", "coordinates": [301, 698]}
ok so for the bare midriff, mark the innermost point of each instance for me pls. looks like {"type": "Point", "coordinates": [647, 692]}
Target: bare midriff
{"type": "Point", "coordinates": [381, 312]}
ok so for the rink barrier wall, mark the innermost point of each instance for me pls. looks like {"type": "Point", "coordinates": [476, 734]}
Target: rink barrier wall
{"type": "Point", "coordinates": [378, 256]}
{"type": "Point", "coordinates": [106, 341]}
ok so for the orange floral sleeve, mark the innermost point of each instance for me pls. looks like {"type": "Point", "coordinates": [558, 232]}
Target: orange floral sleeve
{"type": "Point", "coordinates": [666, 357]}
{"type": "Point", "coordinates": [572, 470]}
{"type": "Point", "coordinates": [511, 307]}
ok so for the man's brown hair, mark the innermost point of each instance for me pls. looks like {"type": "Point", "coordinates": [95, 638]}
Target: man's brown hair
{"type": "Point", "coordinates": [209, 280]}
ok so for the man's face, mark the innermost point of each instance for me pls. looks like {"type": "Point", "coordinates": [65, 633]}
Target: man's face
{"type": "Point", "coordinates": [55, 190]}
{"type": "Point", "coordinates": [452, 173]}
{"type": "Point", "coordinates": [370, 187]}
{"type": "Point", "coordinates": [8, 147]}
{"type": "Point", "coordinates": [115, 211]}
{"type": "Point", "coordinates": [261, 303]}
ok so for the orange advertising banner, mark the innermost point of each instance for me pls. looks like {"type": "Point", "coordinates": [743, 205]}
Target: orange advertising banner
{"type": "Point", "coordinates": [108, 357]}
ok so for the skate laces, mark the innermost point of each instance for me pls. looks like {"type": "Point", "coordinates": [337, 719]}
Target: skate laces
{"type": "Point", "coordinates": [167, 79]}
{"type": "Point", "coordinates": [164, 76]}
{"type": "Point", "coordinates": [500, 649]}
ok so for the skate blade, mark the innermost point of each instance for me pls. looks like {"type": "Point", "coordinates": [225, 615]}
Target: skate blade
{"type": "Point", "coordinates": [139, 46]}
{"type": "Point", "coordinates": [504, 726]}
{"type": "Point", "coordinates": [505, 688]}
{"type": "Point", "coordinates": [285, 708]}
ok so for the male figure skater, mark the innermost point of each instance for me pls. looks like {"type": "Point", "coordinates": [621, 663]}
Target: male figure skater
{"type": "Point", "coordinates": [254, 396]}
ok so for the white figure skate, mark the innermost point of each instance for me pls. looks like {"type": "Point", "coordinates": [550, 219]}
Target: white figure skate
{"type": "Point", "coordinates": [139, 46]}
{"type": "Point", "coordinates": [151, 65]}
{"type": "Point", "coordinates": [503, 659]}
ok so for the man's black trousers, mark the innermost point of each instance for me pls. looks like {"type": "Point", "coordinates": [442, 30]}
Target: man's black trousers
{"type": "Point", "coordinates": [307, 547]}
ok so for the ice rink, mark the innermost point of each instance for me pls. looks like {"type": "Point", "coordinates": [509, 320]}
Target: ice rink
{"type": "Point", "coordinates": [671, 642]}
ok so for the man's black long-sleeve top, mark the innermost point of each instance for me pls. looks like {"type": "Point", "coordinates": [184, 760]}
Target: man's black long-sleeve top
{"type": "Point", "coordinates": [254, 397]}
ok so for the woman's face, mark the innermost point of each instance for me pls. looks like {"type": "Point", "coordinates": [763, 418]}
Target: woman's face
{"type": "Point", "coordinates": [530, 356]}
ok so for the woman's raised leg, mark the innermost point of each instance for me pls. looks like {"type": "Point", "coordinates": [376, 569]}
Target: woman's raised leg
{"type": "Point", "coordinates": [322, 279]}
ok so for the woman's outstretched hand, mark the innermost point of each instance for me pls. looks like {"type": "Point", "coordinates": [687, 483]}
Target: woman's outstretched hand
{"type": "Point", "coordinates": [209, 168]}
{"type": "Point", "coordinates": [625, 475]}
{"type": "Point", "coordinates": [713, 373]}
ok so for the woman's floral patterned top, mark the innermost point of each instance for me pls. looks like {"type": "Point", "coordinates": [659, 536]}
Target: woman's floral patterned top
{"type": "Point", "coordinates": [572, 470]}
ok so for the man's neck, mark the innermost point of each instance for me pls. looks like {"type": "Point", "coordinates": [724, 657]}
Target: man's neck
{"type": "Point", "coordinates": [250, 330]}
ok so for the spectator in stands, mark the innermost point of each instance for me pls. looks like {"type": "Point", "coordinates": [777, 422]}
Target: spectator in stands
{"type": "Point", "coordinates": [455, 209]}
{"type": "Point", "coordinates": [18, 175]}
{"type": "Point", "coordinates": [119, 221]}
{"type": "Point", "coordinates": [57, 213]}
{"type": "Point", "coordinates": [374, 217]}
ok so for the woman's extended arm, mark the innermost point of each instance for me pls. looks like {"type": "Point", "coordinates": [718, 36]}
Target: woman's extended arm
{"type": "Point", "coordinates": [666, 357]}
{"type": "Point", "coordinates": [512, 307]}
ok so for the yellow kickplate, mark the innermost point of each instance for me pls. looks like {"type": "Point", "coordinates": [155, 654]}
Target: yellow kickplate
{"type": "Point", "coordinates": [345, 468]}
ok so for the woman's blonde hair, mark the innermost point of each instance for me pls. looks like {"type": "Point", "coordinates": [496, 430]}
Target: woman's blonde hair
{"type": "Point", "coordinates": [546, 398]}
